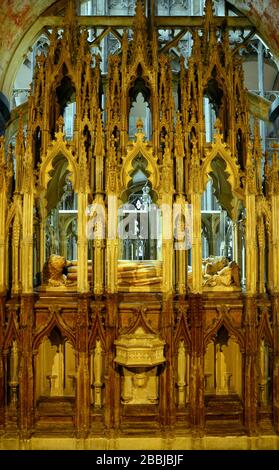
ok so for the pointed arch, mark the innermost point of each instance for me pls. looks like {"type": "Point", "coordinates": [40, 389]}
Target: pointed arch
{"type": "Point", "coordinates": [54, 320]}
{"type": "Point", "coordinates": [11, 332]}
{"type": "Point", "coordinates": [97, 331]}
{"type": "Point", "coordinates": [135, 149]}
{"type": "Point", "coordinates": [225, 321]}
{"type": "Point", "coordinates": [219, 149]}
{"type": "Point", "coordinates": [182, 332]}
{"type": "Point", "coordinates": [14, 210]}
{"type": "Point", "coordinates": [264, 330]}
{"type": "Point", "coordinates": [60, 147]}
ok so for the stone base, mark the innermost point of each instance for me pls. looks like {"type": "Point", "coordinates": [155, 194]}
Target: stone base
{"type": "Point", "coordinates": [58, 442]}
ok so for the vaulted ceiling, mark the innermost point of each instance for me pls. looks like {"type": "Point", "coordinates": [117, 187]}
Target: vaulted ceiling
{"type": "Point", "coordinates": [18, 16]}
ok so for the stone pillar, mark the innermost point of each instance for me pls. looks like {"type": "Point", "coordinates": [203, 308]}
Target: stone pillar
{"type": "Point", "coordinates": [250, 371]}
{"type": "Point", "coordinates": [196, 244]}
{"type": "Point", "coordinates": [27, 243]}
{"type": "Point", "coordinates": [3, 211]}
{"type": "Point", "coordinates": [275, 309]}
{"type": "Point", "coordinates": [82, 376]}
{"type": "Point", "coordinates": [261, 257]}
{"type": "Point", "coordinates": [112, 377]}
{"type": "Point", "coordinates": [166, 390]}
{"type": "Point", "coordinates": [82, 267]}
{"type": "Point", "coordinates": [98, 364]}
{"type": "Point", "coordinates": [196, 386]}
{"type": "Point", "coordinates": [16, 257]}
{"type": "Point", "coordinates": [26, 375]}
{"type": "Point", "coordinates": [98, 266]}
{"type": "Point", "coordinates": [2, 371]}
{"type": "Point", "coordinates": [112, 245]}
{"type": "Point", "coordinates": [251, 245]}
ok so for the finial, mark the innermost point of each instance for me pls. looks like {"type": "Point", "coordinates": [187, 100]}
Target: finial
{"type": "Point", "coordinates": [218, 126]}
{"type": "Point", "coordinates": [60, 123]}
{"type": "Point", "coordinates": [139, 124]}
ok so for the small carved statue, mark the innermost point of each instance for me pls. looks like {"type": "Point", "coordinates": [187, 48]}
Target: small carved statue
{"type": "Point", "coordinates": [54, 270]}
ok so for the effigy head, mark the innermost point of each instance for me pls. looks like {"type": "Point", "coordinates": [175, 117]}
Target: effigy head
{"type": "Point", "coordinates": [53, 271]}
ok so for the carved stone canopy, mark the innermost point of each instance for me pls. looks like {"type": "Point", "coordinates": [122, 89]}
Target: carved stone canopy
{"type": "Point", "coordinates": [139, 349]}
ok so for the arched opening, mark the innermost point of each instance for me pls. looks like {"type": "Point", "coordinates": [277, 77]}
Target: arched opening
{"type": "Point", "coordinates": [61, 226]}
{"type": "Point", "coordinates": [138, 222]}
{"type": "Point", "coordinates": [223, 381]}
{"type": "Point", "coordinates": [63, 104]}
{"type": "Point", "coordinates": [55, 380]}
{"type": "Point", "coordinates": [139, 95]}
{"type": "Point", "coordinates": [139, 231]}
{"type": "Point", "coordinates": [56, 367]}
{"type": "Point", "coordinates": [219, 253]}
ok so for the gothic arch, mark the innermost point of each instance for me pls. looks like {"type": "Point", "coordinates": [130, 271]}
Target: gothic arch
{"type": "Point", "coordinates": [143, 148]}
{"type": "Point", "coordinates": [11, 331]}
{"type": "Point", "coordinates": [264, 331]}
{"type": "Point", "coordinates": [182, 332]}
{"type": "Point", "coordinates": [97, 331]}
{"type": "Point", "coordinates": [15, 210]}
{"type": "Point", "coordinates": [54, 320]}
{"type": "Point", "coordinates": [59, 148]}
{"type": "Point", "coordinates": [226, 322]}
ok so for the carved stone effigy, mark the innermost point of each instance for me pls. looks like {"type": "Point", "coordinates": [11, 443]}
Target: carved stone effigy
{"type": "Point", "coordinates": [218, 273]}
{"type": "Point", "coordinates": [228, 276]}
{"type": "Point", "coordinates": [139, 275]}
{"type": "Point", "coordinates": [53, 271]}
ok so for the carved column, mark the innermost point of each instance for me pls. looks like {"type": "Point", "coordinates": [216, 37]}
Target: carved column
{"type": "Point", "coordinates": [112, 378]}
{"type": "Point", "coordinates": [166, 197]}
{"type": "Point", "coordinates": [82, 268]}
{"type": "Point", "coordinates": [196, 386]}
{"type": "Point", "coordinates": [180, 244]}
{"type": "Point", "coordinates": [181, 373]}
{"type": "Point", "coordinates": [261, 243]}
{"type": "Point", "coordinates": [83, 380]}
{"type": "Point", "coordinates": [16, 257]}
{"type": "Point", "coordinates": [112, 245]}
{"type": "Point", "coordinates": [275, 309]}
{"type": "Point", "coordinates": [2, 373]}
{"type": "Point", "coordinates": [97, 362]}
{"type": "Point", "coordinates": [196, 244]}
{"type": "Point", "coordinates": [251, 220]}
{"type": "Point", "coordinates": [27, 243]}
{"type": "Point", "coordinates": [26, 375]}
{"type": "Point", "coordinates": [167, 393]}
{"type": "Point", "coordinates": [250, 361]}
{"type": "Point", "coordinates": [195, 192]}
{"type": "Point", "coordinates": [3, 209]}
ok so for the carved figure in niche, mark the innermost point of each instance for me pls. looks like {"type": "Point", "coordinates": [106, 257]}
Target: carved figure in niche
{"type": "Point", "coordinates": [227, 276]}
{"type": "Point", "coordinates": [54, 271]}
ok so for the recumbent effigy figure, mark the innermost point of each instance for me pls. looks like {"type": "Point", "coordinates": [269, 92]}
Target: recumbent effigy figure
{"type": "Point", "coordinates": [218, 271]}
{"type": "Point", "coordinates": [227, 276]}
{"type": "Point", "coordinates": [54, 270]}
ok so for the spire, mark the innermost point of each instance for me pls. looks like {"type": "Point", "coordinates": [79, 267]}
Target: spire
{"type": "Point", "coordinates": [257, 153]}
{"type": "Point", "coordinates": [209, 34]}
{"type": "Point", "coordinates": [140, 47]}
{"type": "Point", "coordinates": [99, 144]}
{"type": "Point", "coordinates": [209, 12]}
